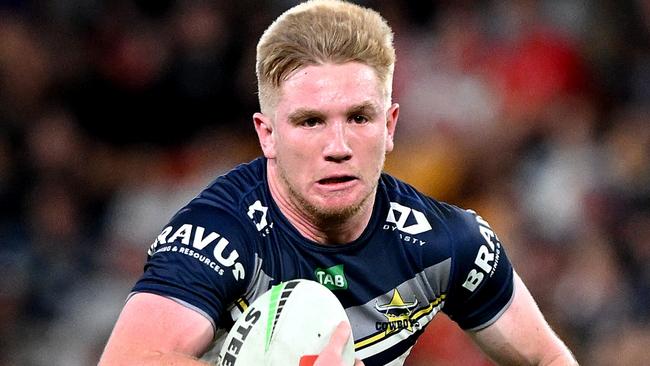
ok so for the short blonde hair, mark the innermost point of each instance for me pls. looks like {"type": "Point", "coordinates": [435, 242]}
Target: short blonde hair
{"type": "Point", "coordinates": [318, 32]}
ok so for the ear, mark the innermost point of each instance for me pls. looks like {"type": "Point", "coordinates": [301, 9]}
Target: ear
{"type": "Point", "coordinates": [264, 129]}
{"type": "Point", "coordinates": [391, 123]}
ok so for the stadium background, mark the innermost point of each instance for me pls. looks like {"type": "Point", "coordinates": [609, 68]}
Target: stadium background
{"type": "Point", "coordinates": [533, 113]}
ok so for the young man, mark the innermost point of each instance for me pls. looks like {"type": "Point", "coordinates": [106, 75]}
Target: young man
{"type": "Point", "coordinates": [317, 206]}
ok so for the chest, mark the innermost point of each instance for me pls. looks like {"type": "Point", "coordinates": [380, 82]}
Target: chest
{"type": "Point", "coordinates": [388, 291]}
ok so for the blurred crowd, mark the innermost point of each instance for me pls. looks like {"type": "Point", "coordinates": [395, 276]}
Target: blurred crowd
{"type": "Point", "coordinates": [536, 114]}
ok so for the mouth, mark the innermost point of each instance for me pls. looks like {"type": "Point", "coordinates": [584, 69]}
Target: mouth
{"type": "Point", "coordinates": [336, 180]}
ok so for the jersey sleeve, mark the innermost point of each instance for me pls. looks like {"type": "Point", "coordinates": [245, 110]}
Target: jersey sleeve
{"type": "Point", "coordinates": [201, 259]}
{"type": "Point", "coordinates": [481, 286]}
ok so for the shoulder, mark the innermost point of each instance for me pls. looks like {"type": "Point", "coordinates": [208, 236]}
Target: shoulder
{"type": "Point", "coordinates": [204, 257]}
{"type": "Point", "coordinates": [227, 200]}
{"type": "Point", "coordinates": [229, 190]}
{"type": "Point", "coordinates": [448, 230]}
{"type": "Point", "coordinates": [408, 205]}
{"type": "Point", "coordinates": [231, 199]}
{"type": "Point", "coordinates": [217, 220]}
{"type": "Point", "coordinates": [460, 233]}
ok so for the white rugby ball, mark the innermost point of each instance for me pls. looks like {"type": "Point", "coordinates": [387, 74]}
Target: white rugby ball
{"type": "Point", "coordinates": [292, 321]}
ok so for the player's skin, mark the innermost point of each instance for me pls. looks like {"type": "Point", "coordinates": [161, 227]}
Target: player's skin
{"type": "Point", "coordinates": [325, 143]}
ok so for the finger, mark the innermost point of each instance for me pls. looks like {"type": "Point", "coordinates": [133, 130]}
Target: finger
{"type": "Point", "coordinates": [340, 337]}
{"type": "Point", "coordinates": [358, 362]}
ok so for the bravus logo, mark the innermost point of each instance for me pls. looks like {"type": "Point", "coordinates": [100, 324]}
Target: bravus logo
{"type": "Point", "coordinates": [193, 241]}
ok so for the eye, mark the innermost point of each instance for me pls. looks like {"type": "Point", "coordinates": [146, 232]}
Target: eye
{"type": "Point", "coordinates": [360, 119]}
{"type": "Point", "coordinates": [311, 122]}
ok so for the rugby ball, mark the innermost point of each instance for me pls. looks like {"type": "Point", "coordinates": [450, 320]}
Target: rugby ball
{"type": "Point", "coordinates": [289, 325]}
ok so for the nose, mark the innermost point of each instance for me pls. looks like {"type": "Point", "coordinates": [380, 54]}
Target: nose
{"type": "Point", "coordinates": [337, 147]}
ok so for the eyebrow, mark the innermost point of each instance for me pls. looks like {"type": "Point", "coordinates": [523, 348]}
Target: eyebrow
{"type": "Point", "coordinates": [302, 114]}
{"type": "Point", "coordinates": [367, 107]}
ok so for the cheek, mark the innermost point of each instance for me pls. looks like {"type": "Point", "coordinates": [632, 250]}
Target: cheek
{"type": "Point", "coordinates": [379, 144]}
{"type": "Point", "coordinates": [301, 147]}
{"type": "Point", "coordinates": [379, 151]}
{"type": "Point", "coordinates": [295, 154]}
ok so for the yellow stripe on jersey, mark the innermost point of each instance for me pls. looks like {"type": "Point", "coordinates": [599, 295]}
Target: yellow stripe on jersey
{"type": "Point", "coordinates": [368, 341]}
{"type": "Point", "coordinates": [422, 312]}
{"type": "Point", "coordinates": [242, 304]}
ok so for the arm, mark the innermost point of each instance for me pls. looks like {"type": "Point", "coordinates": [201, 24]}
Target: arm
{"type": "Point", "coordinates": [521, 336]}
{"type": "Point", "coordinates": [154, 330]}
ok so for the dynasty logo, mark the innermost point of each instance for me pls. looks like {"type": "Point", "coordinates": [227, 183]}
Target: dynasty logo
{"type": "Point", "coordinates": [408, 222]}
{"type": "Point", "coordinates": [257, 213]}
{"type": "Point", "coordinates": [398, 313]}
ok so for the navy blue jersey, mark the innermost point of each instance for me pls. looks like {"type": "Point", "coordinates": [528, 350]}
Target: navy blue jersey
{"type": "Point", "coordinates": [417, 256]}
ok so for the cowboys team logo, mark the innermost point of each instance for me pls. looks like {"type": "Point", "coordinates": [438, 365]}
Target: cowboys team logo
{"type": "Point", "coordinates": [398, 312]}
{"type": "Point", "coordinates": [257, 213]}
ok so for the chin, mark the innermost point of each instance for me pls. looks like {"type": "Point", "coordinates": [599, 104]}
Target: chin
{"type": "Point", "coordinates": [336, 209]}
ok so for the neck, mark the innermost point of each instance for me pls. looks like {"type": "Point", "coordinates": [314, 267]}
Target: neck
{"type": "Point", "coordinates": [320, 229]}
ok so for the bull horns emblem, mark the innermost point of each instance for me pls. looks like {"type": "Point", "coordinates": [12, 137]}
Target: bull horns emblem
{"type": "Point", "coordinates": [398, 313]}
{"type": "Point", "coordinates": [396, 303]}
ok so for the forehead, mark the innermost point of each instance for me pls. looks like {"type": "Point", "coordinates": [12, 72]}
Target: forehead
{"type": "Point", "coordinates": [329, 87]}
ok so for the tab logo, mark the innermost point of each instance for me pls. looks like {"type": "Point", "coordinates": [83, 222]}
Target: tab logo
{"type": "Point", "coordinates": [333, 277]}
{"type": "Point", "coordinates": [399, 215]}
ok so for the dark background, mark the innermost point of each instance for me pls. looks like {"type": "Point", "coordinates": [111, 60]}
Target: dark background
{"type": "Point", "coordinates": [533, 113]}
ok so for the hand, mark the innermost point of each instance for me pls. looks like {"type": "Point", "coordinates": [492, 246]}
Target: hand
{"type": "Point", "coordinates": [332, 354]}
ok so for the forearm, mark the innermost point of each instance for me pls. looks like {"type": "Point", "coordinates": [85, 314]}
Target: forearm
{"type": "Point", "coordinates": [150, 359]}
{"type": "Point", "coordinates": [154, 330]}
{"type": "Point", "coordinates": [562, 358]}
{"type": "Point", "coordinates": [556, 354]}
{"type": "Point", "coordinates": [521, 336]}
